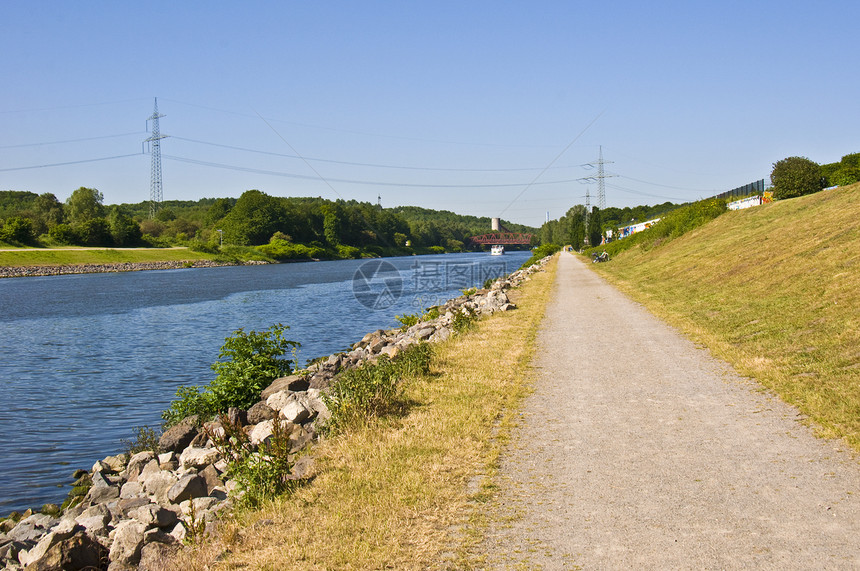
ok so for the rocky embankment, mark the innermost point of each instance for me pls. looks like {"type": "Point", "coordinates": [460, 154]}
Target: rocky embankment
{"type": "Point", "coordinates": [30, 271]}
{"type": "Point", "coordinates": [135, 513]}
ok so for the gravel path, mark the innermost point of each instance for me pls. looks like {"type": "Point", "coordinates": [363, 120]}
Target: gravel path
{"type": "Point", "coordinates": [639, 450]}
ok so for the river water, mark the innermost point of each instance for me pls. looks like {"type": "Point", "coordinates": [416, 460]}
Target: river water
{"type": "Point", "coordinates": [86, 358]}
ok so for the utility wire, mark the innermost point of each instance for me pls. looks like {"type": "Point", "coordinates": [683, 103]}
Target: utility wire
{"type": "Point", "coordinates": [351, 163]}
{"type": "Point", "coordinates": [68, 141]}
{"type": "Point", "coordinates": [350, 181]}
{"type": "Point", "coordinates": [558, 156]}
{"type": "Point", "coordinates": [70, 163]}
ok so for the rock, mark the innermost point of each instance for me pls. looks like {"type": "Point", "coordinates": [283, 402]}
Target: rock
{"type": "Point", "coordinates": [127, 543]}
{"type": "Point", "coordinates": [295, 411]}
{"type": "Point", "coordinates": [9, 550]}
{"type": "Point", "coordinates": [424, 333]}
{"type": "Point", "coordinates": [63, 531]}
{"type": "Point", "coordinates": [137, 463]}
{"type": "Point", "coordinates": [260, 412]}
{"type": "Point", "coordinates": [390, 350]}
{"type": "Point", "coordinates": [101, 495]}
{"type": "Point", "coordinates": [197, 457]}
{"type": "Point", "coordinates": [212, 478]}
{"type": "Point", "coordinates": [154, 515]}
{"type": "Point", "coordinates": [188, 487]}
{"type": "Point", "coordinates": [95, 519]}
{"type": "Point", "coordinates": [301, 468]}
{"type": "Point", "coordinates": [299, 439]}
{"type": "Point", "coordinates": [24, 532]}
{"type": "Point", "coordinates": [79, 551]}
{"type": "Point", "coordinates": [155, 555]}
{"type": "Point", "coordinates": [130, 490]}
{"type": "Point", "coordinates": [278, 400]}
{"type": "Point", "coordinates": [376, 345]}
{"type": "Point", "coordinates": [177, 437]}
{"type": "Point", "coordinates": [282, 384]}
{"type": "Point", "coordinates": [157, 485]}
{"type": "Point", "coordinates": [261, 432]}
{"type": "Point", "coordinates": [125, 507]}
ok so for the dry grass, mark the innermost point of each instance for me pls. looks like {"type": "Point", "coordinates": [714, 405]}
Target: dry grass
{"type": "Point", "coordinates": [775, 291]}
{"type": "Point", "coordinates": [406, 492]}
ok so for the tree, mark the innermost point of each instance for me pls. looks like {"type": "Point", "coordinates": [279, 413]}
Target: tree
{"type": "Point", "coordinates": [83, 205]}
{"type": "Point", "coordinates": [95, 232]}
{"type": "Point", "coordinates": [254, 218]}
{"type": "Point", "coordinates": [18, 230]}
{"type": "Point", "coordinates": [795, 176]}
{"type": "Point", "coordinates": [595, 227]}
{"type": "Point", "coordinates": [48, 211]}
{"type": "Point", "coordinates": [123, 229]}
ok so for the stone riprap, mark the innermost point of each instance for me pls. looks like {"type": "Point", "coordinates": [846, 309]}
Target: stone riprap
{"type": "Point", "coordinates": [33, 271]}
{"type": "Point", "coordinates": [138, 510]}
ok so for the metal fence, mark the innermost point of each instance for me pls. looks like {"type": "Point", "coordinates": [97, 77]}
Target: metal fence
{"type": "Point", "coordinates": [756, 187]}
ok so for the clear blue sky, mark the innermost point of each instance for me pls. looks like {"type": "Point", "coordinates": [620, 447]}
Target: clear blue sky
{"type": "Point", "coordinates": [478, 99]}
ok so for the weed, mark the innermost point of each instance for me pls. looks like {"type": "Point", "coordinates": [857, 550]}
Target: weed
{"type": "Point", "coordinates": [145, 438]}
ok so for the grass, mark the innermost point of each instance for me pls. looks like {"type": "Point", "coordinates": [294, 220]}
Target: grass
{"type": "Point", "coordinates": [775, 291]}
{"type": "Point", "coordinates": [69, 256]}
{"type": "Point", "coordinates": [407, 491]}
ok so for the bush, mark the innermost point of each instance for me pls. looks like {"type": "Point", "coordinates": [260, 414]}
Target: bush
{"type": "Point", "coordinates": [64, 234]}
{"type": "Point", "coordinates": [252, 363]}
{"type": "Point", "coordinates": [17, 230]}
{"type": "Point", "coordinates": [373, 390]}
{"type": "Point", "coordinates": [145, 438]}
{"type": "Point", "coordinates": [795, 176]}
{"type": "Point", "coordinates": [541, 252]}
{"type": "Point", "coordinates": [262, 473]}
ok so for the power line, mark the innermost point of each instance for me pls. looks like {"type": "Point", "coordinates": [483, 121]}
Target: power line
{"type": "Point", "coordinates": [68, 141]}
{"type": "Point", "coordinates": [69, 163]}
{"type": "Point", "coordinates": [352, 181]}
{"type": "Point", "coordinates": [360, 164]}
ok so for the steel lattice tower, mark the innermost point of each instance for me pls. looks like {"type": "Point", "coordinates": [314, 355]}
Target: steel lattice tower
{"type": "Point", "coordinates": [155, 188]}
{"type": "Point", "coordinates": [601, 175]}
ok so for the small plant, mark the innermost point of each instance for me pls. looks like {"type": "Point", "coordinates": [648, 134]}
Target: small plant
{"type": "Point", "coordinates": [262, 473]}
{"type": "Point", "coordinates": [464, 319]}
{"type": "Point", "coordinates": [195, 529]}
{"type": "Point", "coordinates": [145, 438]}
{"type": "Point", "coordinates": [469, 291]}
{"type": "Point", "coordinates": [79, 490]}
{"type": "Point", "coordinates": [373, 390]}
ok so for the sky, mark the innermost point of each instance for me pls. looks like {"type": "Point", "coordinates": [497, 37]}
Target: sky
{"type": "Point", "coordinates": [490, 108]}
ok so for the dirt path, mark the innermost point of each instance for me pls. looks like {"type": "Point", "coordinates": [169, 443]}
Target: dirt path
{"type": "Point", "coordinates": [639, 450]}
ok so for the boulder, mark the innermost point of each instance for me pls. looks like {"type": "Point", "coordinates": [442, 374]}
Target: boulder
{"type": "Point", "coordinates": [424, 333]}
{"type": "Point", "coordinates": [188, 487]}
{"type": "Point", "coordinates": [237, 416]}
{"type": "Point", "coordinates": [101, 494]}
{"type": "Point", "coordinates": [137, 463]}
{"type": "Point", "coordinates": [260, 412]}
{"type": "Point", "coordinates": [282, 384]}
{"type": "Point", "coordinates": [295, 410]}
{"type": "Point", "coordinates": [64, 530]}
{"type": "Point", "coordinates": [198, 457]}
{"type": "Point", "coordinates": [178, 437]}
{"type": "Point", "coordinates": [157, 485]}
{"type": "Point", "coordinates": [24, 532]}
{"type": "Point", "coordinates": [261, 432]}
{"type": "Point", "coordinates": [277, 401]}
{"type": "Point", "coordinates": [155, 555]}
{"type": "Point", "coordinates": [212, 478]}
{"type": "Point", "coordinates": [127, 543]}
{"type": "Point", "coordinates": [390, 350]}
{"type": "Point", "coordinates": [79, 551]}
{"type": "Point", "coordinates": [95, 519]}
{"type": "Point", "coordinates": [130, 490]}
{"type": "Point", "coordinates": [154, 515]}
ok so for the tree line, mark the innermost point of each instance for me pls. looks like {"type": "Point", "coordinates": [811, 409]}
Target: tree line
{"type": "Point", "coordinates": [283, 227]}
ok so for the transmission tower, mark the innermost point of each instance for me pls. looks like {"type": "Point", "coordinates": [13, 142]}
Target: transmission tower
{"type": "Point", "coordinates": [601, 174]}
{"type": "Point", "coordinates": [155, 189]}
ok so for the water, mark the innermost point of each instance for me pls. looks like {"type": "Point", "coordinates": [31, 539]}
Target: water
{"type": "Point", "coordinates": [86, 358]}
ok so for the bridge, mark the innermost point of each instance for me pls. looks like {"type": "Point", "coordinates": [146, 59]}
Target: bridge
{"type": "Point", "coordinates": [503, 238]}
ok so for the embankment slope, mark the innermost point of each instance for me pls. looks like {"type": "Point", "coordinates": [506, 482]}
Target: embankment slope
{"type": "Point", "coordinates": [775, 291]}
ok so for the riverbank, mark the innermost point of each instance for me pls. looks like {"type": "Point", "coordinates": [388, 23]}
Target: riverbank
{"type": "Point", "coordinates": [124, 486]}
{"type": "Point", "coordinates": [32, 271]}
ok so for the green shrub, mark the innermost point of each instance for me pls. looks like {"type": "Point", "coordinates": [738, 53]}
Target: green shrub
{"type": "Point", "coordinates": [540, 253]}
{"type": "Point", "coordinates": [373, 390]}
{"type": "Point", "coordinates": [250, 362]}
{"type": "Point", "coordinates": [261, 473]}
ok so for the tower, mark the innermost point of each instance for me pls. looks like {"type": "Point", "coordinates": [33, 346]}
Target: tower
{"type": "Point", "coordinates": [155, 189]}
{"type": "Point", "coordinates": [601, 175]}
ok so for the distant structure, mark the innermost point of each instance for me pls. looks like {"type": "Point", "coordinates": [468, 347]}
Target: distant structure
{"type": "Point", "coordinates": [601, 174]}
{"type": "Point", "coordinates": [154, 140]}
{"type": "Point", "coordinates": [495, 224]}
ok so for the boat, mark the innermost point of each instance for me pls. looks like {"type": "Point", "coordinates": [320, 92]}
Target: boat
{"type": "Point", "coordinates": [497, 250]}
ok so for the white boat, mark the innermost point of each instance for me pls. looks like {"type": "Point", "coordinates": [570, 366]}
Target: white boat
{"type": "Point", "coordinates": [497, 250]}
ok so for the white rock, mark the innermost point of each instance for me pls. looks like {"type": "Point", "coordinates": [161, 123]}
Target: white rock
{"type": "Point", "coordinates": [278, 400]}
{"type": "Point", "coordinates": [198, 457]}
{"type": "Point", "coordinates": [261, 432]}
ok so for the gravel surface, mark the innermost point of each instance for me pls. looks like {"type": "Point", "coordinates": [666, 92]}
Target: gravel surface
{"type": "Point", "coordinates": [640, 450]}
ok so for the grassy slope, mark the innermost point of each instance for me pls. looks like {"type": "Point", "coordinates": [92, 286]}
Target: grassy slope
{"type": "Point", "coordinates": [774, 290]}
{"type": "Point", "coordinates": [405, 493]}
{"type": "Point", "coordinates": [61, 257]}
